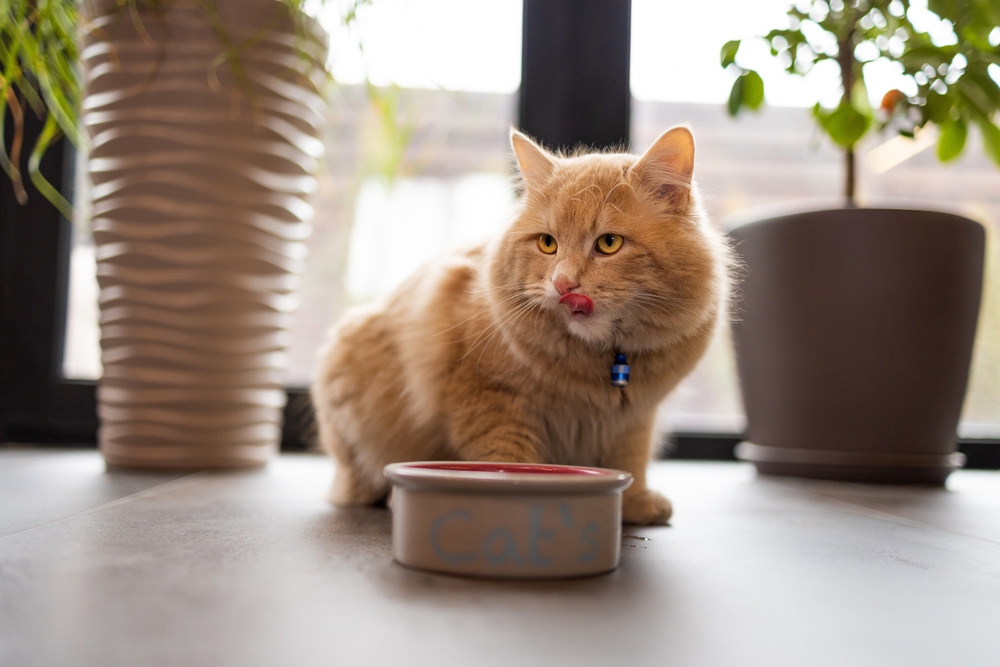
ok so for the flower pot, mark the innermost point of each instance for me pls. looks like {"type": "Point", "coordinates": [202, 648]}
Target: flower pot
{"type": "Point", "coordinates": [854, 338]}
{"type": "Point", "coordinates": [200, 179]}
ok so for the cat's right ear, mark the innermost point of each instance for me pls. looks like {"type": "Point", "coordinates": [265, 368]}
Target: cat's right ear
{"type": "Point", "coordinates": [536, 164]}
{"type": "Point", "coordinates": [667, 167]}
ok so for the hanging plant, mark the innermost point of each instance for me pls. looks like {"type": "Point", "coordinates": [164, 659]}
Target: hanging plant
{"type": "Point", "coordinates": [40, 73]}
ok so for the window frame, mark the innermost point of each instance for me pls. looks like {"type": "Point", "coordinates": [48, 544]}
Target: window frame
{"type": "Point", "coordinates": [575, 55]}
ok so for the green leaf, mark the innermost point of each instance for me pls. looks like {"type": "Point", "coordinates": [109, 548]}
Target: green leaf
{"type": "Point", "coordinates": [991, 138]}
{"type": "Point", "coordinates": [978, 75]}
{"type": "Point", "coordinates": [50, 131]}
{"type": "Point", "coordinates": [935, 56]}
{"type": "Point", "coordinates": [728, 53]}
{"type": "Point", "coordinates": [748, 91]}
{"type": "Point", "coordinates": [952, 140]}
{"type": "Point", "coordinates": [736, 95]}
{"type": "Point", "coordinates": [978, 36]}
{"type": "Point", "coordinates": [938, 107]}
{"type": "Point", "coordinates": [753, 89]}
{"type": "Point", "coordinates": [844, 125]}
{"type": "Point", "coordinates": [978, 98]}
{"type": "Point", "coordinates": [859, 97]}
{"type": "Point", "coordinates": [943, 8]}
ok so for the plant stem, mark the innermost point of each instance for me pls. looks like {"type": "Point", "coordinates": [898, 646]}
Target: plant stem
{"type": "Point", "coordinates": [845, 58]}
{"type": "Point", "coordinates": [849, 166]}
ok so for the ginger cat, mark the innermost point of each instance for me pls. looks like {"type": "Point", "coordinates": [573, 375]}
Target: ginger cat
{"type": "Point", "coordinates": [503, 352]}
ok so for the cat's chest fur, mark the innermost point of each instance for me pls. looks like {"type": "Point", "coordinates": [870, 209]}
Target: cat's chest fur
{"type": "Point", "coordinates": [580, 437]}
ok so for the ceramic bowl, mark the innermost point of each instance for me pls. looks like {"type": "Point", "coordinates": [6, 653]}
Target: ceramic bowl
{"type": "Point", "coordinates": [510, 520]}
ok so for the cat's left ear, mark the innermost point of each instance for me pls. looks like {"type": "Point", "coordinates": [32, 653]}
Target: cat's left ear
{"type": "Point", "coordinates": [536, 164]}
{"type": "Point", "coordinates": [667, 167]}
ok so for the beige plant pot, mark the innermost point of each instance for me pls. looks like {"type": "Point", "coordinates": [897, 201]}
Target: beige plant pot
{"type": "Point", "coordinates": [200, 214]}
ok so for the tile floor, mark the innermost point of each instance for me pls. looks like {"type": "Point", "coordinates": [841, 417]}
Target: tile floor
{"type": "Point", "coordinates": [254, 568]}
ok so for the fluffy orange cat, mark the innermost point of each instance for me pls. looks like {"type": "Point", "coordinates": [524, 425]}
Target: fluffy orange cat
{"type": "Point", "coordinates": [503, 352]}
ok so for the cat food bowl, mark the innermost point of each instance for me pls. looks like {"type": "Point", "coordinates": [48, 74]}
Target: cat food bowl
{"type": "Point", "coordinates": [508, 520]}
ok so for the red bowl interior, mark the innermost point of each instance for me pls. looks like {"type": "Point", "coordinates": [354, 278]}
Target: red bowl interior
{"type": "Point", "coordinates": [518, 468]}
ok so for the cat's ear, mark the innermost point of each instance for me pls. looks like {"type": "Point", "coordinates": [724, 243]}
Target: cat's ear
{"type": "Point", "coordinates": [667, 167]}
{"type": "Point", "coordinates": [536, 164]}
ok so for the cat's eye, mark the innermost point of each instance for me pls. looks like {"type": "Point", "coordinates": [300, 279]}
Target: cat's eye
{"type": "Point", "coordinates": [547, 244]}
{"type": "Point", "coordinates": [609, 244]}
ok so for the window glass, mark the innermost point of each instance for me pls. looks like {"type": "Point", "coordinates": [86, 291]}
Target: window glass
{"type": "Point", "coordinates": [82, 352]}
{"type": "Point", "coordinates": [415, 165]}
{"type": "Point", "coordinates": [777, 156]}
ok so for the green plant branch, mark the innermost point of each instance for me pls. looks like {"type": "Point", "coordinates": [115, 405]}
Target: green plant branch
{"type": "Point", "coordinates": [11, 164]}
{"type": "Point", "coordinates": [40, 72]}
{"type": "Point", "coordinates": [950, 85]}
{"type": "Point", "coordinates": [230, 53]}
{"type": "Point", "coordinates": [50, 131]}
{"type": "Point", "coordinates": [39, 56]}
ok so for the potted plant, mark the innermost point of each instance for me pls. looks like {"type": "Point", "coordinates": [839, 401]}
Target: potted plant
{"type": "Point", "coordinates": [202, 120]}
{"type": "Point", "coordinates": [855, 330]}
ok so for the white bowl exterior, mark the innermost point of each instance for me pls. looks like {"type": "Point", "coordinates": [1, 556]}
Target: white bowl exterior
{"type": "Point", "coordinates": [507, 535]}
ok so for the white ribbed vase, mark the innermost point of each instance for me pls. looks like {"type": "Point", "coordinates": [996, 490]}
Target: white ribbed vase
{"type": "Point", "coordinates": [199, 216]}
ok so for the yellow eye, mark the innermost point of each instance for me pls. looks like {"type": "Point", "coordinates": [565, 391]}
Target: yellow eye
{"type": "Point", "coordinates": [547, 244]}
{"type": "Point", "coordinates": [609, 243]}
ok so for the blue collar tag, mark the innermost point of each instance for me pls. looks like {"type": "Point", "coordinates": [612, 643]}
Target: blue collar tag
{"type": "Point", "coordinates": [619, 371]}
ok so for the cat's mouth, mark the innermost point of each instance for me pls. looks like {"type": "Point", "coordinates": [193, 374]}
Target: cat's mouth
{"type": "Point", "coordinates": [579, 304]}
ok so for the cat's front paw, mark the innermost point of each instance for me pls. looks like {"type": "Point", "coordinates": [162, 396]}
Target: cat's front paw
{"type": "Point", "coordinates": [646, 508]}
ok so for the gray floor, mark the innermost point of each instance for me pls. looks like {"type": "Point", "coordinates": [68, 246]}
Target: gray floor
{"type": "Point", "coordinates": [249, 569]}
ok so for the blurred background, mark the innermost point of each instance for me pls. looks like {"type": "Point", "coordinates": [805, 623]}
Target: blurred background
{"type": "Point", "coordinates": [417, 161]}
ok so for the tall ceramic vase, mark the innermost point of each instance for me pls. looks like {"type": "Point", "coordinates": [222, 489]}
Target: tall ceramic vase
{"type": "Point", "coordinates": [201, 163]}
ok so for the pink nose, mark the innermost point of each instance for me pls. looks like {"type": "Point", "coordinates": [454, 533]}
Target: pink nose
{"type": "Point", "coordinates": [564, 284]}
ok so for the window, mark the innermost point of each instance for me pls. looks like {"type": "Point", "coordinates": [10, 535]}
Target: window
{"type": "Point", "coordinates": [452, 115]}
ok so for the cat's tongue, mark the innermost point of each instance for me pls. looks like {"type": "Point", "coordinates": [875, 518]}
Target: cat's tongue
{"type": "Point", "coordinates": [578, 303]}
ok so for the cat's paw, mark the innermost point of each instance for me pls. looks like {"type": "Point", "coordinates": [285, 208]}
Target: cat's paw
{"type": "Point", "coordinates": [646, 508]}
{"type": "Point", "coordinates": [351, 489]}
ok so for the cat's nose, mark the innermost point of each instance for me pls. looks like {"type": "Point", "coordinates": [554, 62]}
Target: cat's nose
{"type": "Point", "coordinates": [563, 284]}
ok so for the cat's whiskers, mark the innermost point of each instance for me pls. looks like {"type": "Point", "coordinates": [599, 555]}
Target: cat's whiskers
{"type": "Point", "coordinates": [478, 336]}
{"type": "Point", "coordinates": [486, 291]}
{"type": "Point", "coordinates": [665, 298]}
{"type": "Point", "coordinates": [528, 298]}
{"type": "Point", "coordinates": [632, 311]}
{"type": "Point", "coordinates": [650, 310]}
{"type": "Point", "coordinates": [491, 288]}
{"type": "Point", "coordinates": [525, 311]}
{"type": "Point", "coordinates": [514, 295]}
{"type": "Point", "coordinates": [481, 311]}
{"type": "Point", "coordinates": [533, 307]}
{"type": "Point", "coordinates": [537, 313]}
{"type": "Point", "coordinates": [497, 329]}
{"type": "Point", "coordinates": [490, 330]}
